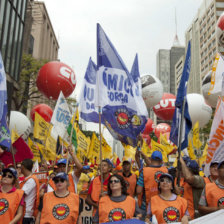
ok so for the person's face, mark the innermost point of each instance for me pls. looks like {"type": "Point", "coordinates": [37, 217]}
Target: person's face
{"type": "Point", "coordinates": [115, 184]}
{"type": "Point", "coordinates": [60, 184]}
{"type": "Point", "coordinates": [7, 178]}
{"type": "Point", "coordinates": [22, 169]}
{"type": "Point", "coordinates": [18, 169]}
{"type": "Point", "coordinates": [61, 168]}
{"type": "Point", "coordinates": [221, 171]}
{"type": "Point", "coordinates": [105, 167]}
{"type": "Point", "coordinates": [214, 170]}
{"type": "Point", "coordinates": [126, 167]}
{"type": "Point", "coordinates": [165, 184]}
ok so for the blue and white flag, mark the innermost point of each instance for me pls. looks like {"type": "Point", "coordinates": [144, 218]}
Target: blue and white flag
{"type": "Point", "coordinates": [5, 137]}
{"type": "Point", "coordinates": [123, 110]}
{"type": "Point", "coordinates": [136, 76]}
{"type": "Point", "coordinates": [181, 95]}
{"type": "Point", "coordinates": [88, 109]}
{"type": "Point", "coordinates": [61, 118]}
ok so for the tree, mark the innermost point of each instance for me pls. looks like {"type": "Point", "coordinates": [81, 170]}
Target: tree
{"type": "Point", "coordinates": [27, 83]}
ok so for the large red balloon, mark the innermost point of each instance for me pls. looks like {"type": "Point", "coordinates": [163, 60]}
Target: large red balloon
{"type": "Point", "coordinates": [54, 77]}
{"type": "Point", "coordinates": [149, 127]}
{"type": "Point", "coordinates": [166, 107]}
{"type": "Point", "coordinates": [44, 110]}
{"type": "Point", "coordinates": [162, 128]}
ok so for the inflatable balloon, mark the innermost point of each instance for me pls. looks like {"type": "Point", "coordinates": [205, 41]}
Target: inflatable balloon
{"type": "Point", "coordinates": [43, 110]}
{"type": "Point", "coordinates": [152, 90]}
{"type": "Point", "coordinates": [149, 127]}
{"type": "Point", "coordinates": [198, 109]}
{"type": "Point", "coordinates": [166, 107]}
{"type": "Point", "coordinates": [162, 128]}
{"type": "Point", "coordinates": [54, 77]}
{"type": "Point", "coordinates": [20, 123]}
{"type": "Point", "coordinates": [220, 30]}
{"type": "Point", "coordinates": [212, 99]}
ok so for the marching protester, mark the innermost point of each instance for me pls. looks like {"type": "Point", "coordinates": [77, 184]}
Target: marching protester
{"type": "Point", "coordinates": [94, 191]}
{"type": "Point", "coordinates": [73, 177]}
{"type": "Point", "coordinates": [11, 199]}
{"type": "Point", "coordinates": [212, 197]}
{"type": "Point", "coordinates": [213, 173]}
{"type": "Point", "coordinates": [30, 186]}
{"type": "Point", "coordinates": [61, 205]}
{"type": "Point", "coordinates": [116, 205]}
{"type": "Point", "coordinates": [167, 206]}
{"type": "Point", "coordinates": [129, 177]}
{"type": "Point", "coordinates": [149, 177]}
{"type": "Point", "coordinates": [191, 185]}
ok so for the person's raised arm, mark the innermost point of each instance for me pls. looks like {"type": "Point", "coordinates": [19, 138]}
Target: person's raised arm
{"type": "Point", "coordinates": [188, 176]}
{"type": "Point", "coordinates": [75, 159]}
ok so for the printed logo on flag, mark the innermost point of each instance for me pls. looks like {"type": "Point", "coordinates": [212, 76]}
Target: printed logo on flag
{"type": "Point", "coordinates": [171, 214]}
{"type": "Point", "coordinates": [61, 211]}
{"type": "Point", "coordinates": [4, 205]}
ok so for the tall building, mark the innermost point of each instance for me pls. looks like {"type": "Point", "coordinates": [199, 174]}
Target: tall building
{"type": "Point", "coordinates": [12, 22]}
{"type": "Point", "coordinates": [41, 42]}
{"type": "Point", "coordinates": [166, 61]}
{"type": "Point", "coordinates": [179, 66]}
{"type": "Point", "coordinates": [201, 33]}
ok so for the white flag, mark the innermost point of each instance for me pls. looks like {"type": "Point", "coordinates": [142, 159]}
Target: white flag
{"type": "Point", "coordinates": [35, 167]}
{"type": "Point", "coordinates": [217, 75]}
{"type": "Point", "coordinates": [216, 138]}
{"type": "Point", "coordinates": [60, 118]}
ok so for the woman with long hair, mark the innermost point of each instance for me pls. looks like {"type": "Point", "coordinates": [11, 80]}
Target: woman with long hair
{"type": "Point", "coordinates": [117, 204]}
{"type": "Point", "coordinates": [11, 199]}
{"type": "Point", "coordinates": [167, 207]}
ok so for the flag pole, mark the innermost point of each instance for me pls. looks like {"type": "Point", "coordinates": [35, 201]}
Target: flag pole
{"type": "Point", "coordinates": [179, 141]}
{"type": "Point", "coordinates": [101, 173]}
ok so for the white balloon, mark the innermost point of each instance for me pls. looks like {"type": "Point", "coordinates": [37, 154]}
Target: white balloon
{"type": "Point", "coordinates": [212, 99]}
{"type": "Point", "coordinates": [152, 90]}
{"type": "Point", "coordinates": [199, 110]}
{"type": "Point", "coordinates": [21, 123]}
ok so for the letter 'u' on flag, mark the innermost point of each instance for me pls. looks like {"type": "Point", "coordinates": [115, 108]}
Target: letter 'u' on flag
{"type": "Point", "coordinates": [216, 138]}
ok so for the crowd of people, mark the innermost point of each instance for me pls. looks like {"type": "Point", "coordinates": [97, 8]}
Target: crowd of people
{"type": "Point", "coordinates": [144, 191]}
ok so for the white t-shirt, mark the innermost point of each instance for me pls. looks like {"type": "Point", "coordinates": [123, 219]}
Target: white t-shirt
{"type": "Point", "coordinates": [30, 190]}
{"type": "Point", "coordinates": [75, 181]}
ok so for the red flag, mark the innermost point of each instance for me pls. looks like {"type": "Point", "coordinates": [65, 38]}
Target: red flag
{"type": "Point", "coordinates": [22, 152]}
{"type": "Point", "coordinates": [118, 161]}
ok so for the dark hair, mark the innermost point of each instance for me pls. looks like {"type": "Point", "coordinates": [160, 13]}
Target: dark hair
{"type": "Point", "coordinates": [172, 190]}
{"type": "Point", "coordinates": [123, 185]}
{"type": "Point", "coordinates": [28, 164]}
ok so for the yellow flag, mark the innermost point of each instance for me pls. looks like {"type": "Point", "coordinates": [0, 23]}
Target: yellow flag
{"type": "Point", "coordinates": [94, 148]}
{"type": "Point", "coordinates": [164, 142]}
{"type": "Point", "coordinates": [106, 149]}
{"type": "Point", "coordinates": [14, 135]}
{"type": "Point", "coordinates": [41, 128]}
{"type": "Point", "coordinates": [83, 143]}
{"type": "Point", "coordinates": [36, 149]}
{"type": "Point", "coordinates": [129, 151]}
{"type": "Point", "coordinates": [204, 155]}
{"type": "Point", "coordinates": [158, 147]}
{"type": "Point", "coordinates": [196, 141]}
{"type": "Point", "coordinates": [146, 149]}
{"type": "Point", "coordinates": [50, 147]}
{"type": "Point", "coordinates": [191, 150]}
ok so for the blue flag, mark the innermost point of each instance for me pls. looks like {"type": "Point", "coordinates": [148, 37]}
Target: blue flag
{"type": "Point", "coordinates": [123, 110]}
{"type": "Point", "coordinates": [87, 101]}
{"type": "Point", "coordinates": [5, 137]}
{"type": "Point", "coordinates": [181, 94]}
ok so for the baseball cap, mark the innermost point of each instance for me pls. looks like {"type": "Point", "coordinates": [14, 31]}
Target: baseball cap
{"type": "Point", "coordinates": [11, 170]}
{"type": "Point", "coordinates": [87, 167]}
{"type": "Point", "coordinates": [157, 155]}
{"type": "Point", "coordinates": [61, 161]}
{"type": "Point", "coordinates": [192, 164]}
{"type": "Point", "coordinates": [61, 175]}
{"type": "Point", "coordinates": [220, 164]}
{"type": "Point", "coordinates": [213, 163]}
{"type": "Point", "coordinates": [166, 175]}
{"type": "Point", "coordinates": [109, 162]}
{"type": "Point", "coordinates": [126, 162]}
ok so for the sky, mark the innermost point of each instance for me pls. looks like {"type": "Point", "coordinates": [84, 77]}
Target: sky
{"type": "Point", "coordinates": [133, 26]}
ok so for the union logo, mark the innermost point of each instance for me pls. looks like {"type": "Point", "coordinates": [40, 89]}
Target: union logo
{"type": "Point", "coordinates": [171, 214]}
{"type": "Point", "coordinates": [117, 214]}
{"type": "Point", "coordinates": [157, 176]}
{"type": "Point", "coordinates": [60, 211]}
{"type": "Point", "coordinates": [221, 201]}
{"type": "Point", "coordinates": [4, 205]}
{"type": "Point", "coordinates": [123, 120]}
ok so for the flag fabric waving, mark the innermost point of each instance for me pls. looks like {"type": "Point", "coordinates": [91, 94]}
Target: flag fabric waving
{"type": "Point", "coordinates": [181, 95]}
{"type": "Point", "coordinates": [196, 141]}
{"type": "Point", "coordinates": [5, 139]}
{"type": "Point", "coordinates": [123, 110]}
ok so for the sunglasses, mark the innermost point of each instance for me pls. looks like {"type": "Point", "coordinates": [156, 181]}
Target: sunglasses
{"type": "Point", "coordinates": [7, 175]}
{"type": "Point", "coordinates": [165, 180]}
{"type": "Point", "coordinates": [59, 180]}
{"type": "Point", "coordinates": [114, 181]}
